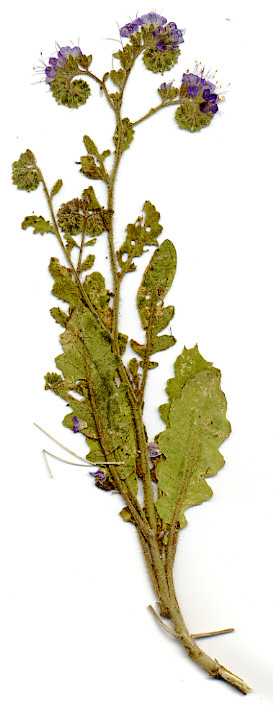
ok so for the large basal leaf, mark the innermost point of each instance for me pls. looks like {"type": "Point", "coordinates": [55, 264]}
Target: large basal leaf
{"type": "Point", "coordinates": [89, 385]}
{"type": "Point", "coordinates": [196, 428]}
{"type": "Point", "coordinates": [156, 282]}
{"type": "Point", "coordinates": [186, 366]}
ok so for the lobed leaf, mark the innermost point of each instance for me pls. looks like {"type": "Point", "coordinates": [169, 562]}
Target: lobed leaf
{"type": "Point", "coordinates": [144, 232]}
{"type": "Point", "coordinates": [157, 280]}
{"type": "Point", "coordinates": [25, 174]}
{"type": "Point", "coordinates": [118, 77]}
{"type": "Point", "coordinates": [127, 136]}
{"type": "Point", "coordinates": [64, 287]}
{"type": "Point", "coordinates": [187, 365]}
{"type": "Point", "coordinates": [196, 428]}
{"type": "Point", "coordinates": [39, 224]}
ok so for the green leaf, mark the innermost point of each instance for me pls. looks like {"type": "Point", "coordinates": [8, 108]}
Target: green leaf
{"type": "Point", "coordinates": [126, 56]}
{"type": "Point", "coordinates": [40, 225]}
{"type": "Point", "coordinates": [144, 232]}
{"type": "Point", "coordinates": [25, 174]}
{"type": "Point", "coordinates": [127, 132]}
{"type": "Point", "coordinates": [64, 287]}
{"type": "Point", "coordinates": [196, 428]}
{"type": "Point", "coordinates": [59, 316]}
{"type": "Point", "coordinates": [56, 188]}
{"type": "Point", "coordinates": [88, 262]}
{"type": "Point", "coordinates": [90, 169]}
{"type": "Point", "coordinates": [89, 368]}
{"type": "Point", "coordinates": [90, 146]}
{"type": "Point", "coordinates": [118, 77]}
{"type": "Point", "coordinates": [157, 280]}
{"type": "Point", "coordinates": [187, 365]}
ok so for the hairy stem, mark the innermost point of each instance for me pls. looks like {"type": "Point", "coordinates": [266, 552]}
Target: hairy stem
{"type": "Point", "coordinates": [155, 110]}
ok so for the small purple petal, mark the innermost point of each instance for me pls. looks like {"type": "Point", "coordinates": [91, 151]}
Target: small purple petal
{"type": "Point", "coordinates": [192, 91]}
{"type": "Point", "coordinates": [165, 86]}
{"type": "Point", "coordinates": [76, 425]}
{"type": "Point", "coordinates": [152, 18]}
{"type": "Point", "coordinates": [168, 36]}
{"type": "Point", "coordinates": [161, 46]}
{"type": "Point", "coordinates": [153, 450]}
{"type": "Point", "coordinates": [128, 29]}
{"type": "Point", "coordinates": [59, 62]}
{"type": "Point", "coordinates": [100, 475]}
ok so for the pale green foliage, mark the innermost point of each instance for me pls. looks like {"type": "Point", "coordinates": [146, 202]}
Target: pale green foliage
{"type": "Point", "coordinates": [39, 224]}
{"type": "Point", "coordinates": [56, 188]}
{"type": "Point", "coordinates": [196, 428]}
{"type": "Point", "coordinates": [92, 165]}
{"type": "Point", "coordinates": [156, 282]}
{"type": "Point", "coordinates": [89, 368]}
{"type": "Point", "coordinates": [127, 134]}
{"type": "Point", "coordinates": [25, 174]}
{"type": "Point", "coordinates": [144, 232]}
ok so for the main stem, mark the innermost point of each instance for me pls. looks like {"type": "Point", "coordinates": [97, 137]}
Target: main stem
{"type": "Point", "coordinates": [161, 576]}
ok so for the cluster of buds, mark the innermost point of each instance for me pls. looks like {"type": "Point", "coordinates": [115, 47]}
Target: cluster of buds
{"type": "Point", "coordinates": [59, 62]}
{"type": "Point", "coordinates": [199, 102]}
{"type": "Point", "coordinates": [166, 33]}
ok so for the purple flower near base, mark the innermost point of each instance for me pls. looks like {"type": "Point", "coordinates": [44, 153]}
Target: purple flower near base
{"type": "Point", "coordinates": [78, 425]}
{"type": "Point", "coordinates": [168, 36]}
{"type": "Point", "coordinates": [100, 475]}
{"type": "Point", "coordinates": [153, 450]}
{"type": "Point", "coordinates": [59, 62]}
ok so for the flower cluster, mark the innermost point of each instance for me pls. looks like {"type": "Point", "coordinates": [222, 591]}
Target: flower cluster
{"type": "Point", "coordinates": [145, 20]}
{"type": "Point", "coordinates": [167, 35]}
{"type": "Point", "coordinates": [196, 84]}
{"type": "Point", "coordinates": [199, 102]}
{"type": "Point", "coordinates": [59, 62]}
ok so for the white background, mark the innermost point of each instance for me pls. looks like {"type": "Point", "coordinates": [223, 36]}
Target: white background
{"type": "Point", "coordinates": [75, 631]}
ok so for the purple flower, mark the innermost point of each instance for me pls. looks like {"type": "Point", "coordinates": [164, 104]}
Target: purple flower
{"type": "Point", "coordinates": [168, 36]}
{"type": "Point", "coordinates": [78, 425]}
{"type": "Point", "coordinates": [209, 103]}
{"type": "Point", "coordinates": [59, 62]}
{"type": "Point", "coordinates": [100, 475]}
{"type": "Point", "coordinates": [196, 84]}
{"type": "Point", "coordinates": [153, 450]}
{"type": "Point", "coordinates": [165, 86]}
{"type": "Point", "coordinates": [131, 27]}
{"type": "Point", "coordinates": [51, 70]}
{"type": "Point", "coordinates": [152, 18]}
